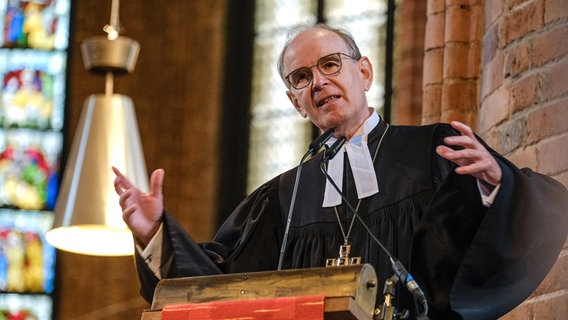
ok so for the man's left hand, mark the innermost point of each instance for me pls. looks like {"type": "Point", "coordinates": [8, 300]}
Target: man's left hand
{"type": "Point", "coordinates": [473, 159]}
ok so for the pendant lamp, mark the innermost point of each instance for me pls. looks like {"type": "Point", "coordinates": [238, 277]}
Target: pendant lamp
{"type": "Point", "coordinates": [88, 218]}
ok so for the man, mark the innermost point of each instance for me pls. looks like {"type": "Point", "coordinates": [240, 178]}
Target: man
{"type": "Point", "coordinates": [466, 222]}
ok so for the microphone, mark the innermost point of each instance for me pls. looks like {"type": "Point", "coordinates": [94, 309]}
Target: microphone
{"type": "Point", "coordinates": [398, 269]}
{"type": "Point", "coordinates": [312, 148]}
{"type": "Point", "coordinates": [334, 149]}
{"type": "Point", "coordinates": [410, 283]}
{"type": "Point", "coordinates": [320, 141]}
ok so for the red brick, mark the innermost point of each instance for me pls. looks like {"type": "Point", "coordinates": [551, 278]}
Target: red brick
{"type": "Point", "coordinates": [433, 61]}
{"type": "Point", "coordinates": [435, 6]}
{"type": "Point", "coordinates": [477, 25]}
{"type": "Point", "coordinates": [464, 116]}
{"type": "Point", "coordinates": [555, 308]}
{"type": "Point", "coordinates": [518, 59]}
{"type": "Point", "coordinates": [553, 155]}
{"type": "Point", "coordinates": [524, 92]}
{"type": "Point", "coordinates": [490, 137]}
{"type": "Point", "coordinates": [460, 94]}
{"type": "Point", "coordinates": [492, 12]}
{"type": "Point", "coordinates": [562, 178]}
{"type": "Point", "coordinates": [490, 44]}
{"type": "Point", "coordinates": [549, 300]}
{"type": "Point", "coordinates": [511, 134]}
{"type": "Point", "coordinates": [556, 279]}
{"type": "Point", "coordinates": [432, 101]}
{"type": "Point", "coordinates": [550, 45]}
{"type": "Point", "coordinates": [459, 22]}
{"type": "Point", "coordinates": [435, 28]}
{"type": "Point", "coordinates": [522, 312]}
{"type": "Point", "coordinates": [494, 109]}
{"type": "Point", "coordinates": [555, 10]}
{"type": "Point", "coordinates": [522, 21]}
{"type": "Point", "coordinates": [462, 60]}
{"type": "Point", "coordinates": [555, 80]}
{"type": "Point", "coordinates": [524, 157]}
{"type": "Point", "coordinates": [492, 74]}
{"type": "Point", "coordinates": [547, 121]}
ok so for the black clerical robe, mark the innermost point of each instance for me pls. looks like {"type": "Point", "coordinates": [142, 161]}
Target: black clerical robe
{"type": "Point", "coordinates": [472, 262]}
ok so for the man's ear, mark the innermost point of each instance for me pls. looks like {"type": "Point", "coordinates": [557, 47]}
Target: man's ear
{"type": "Point", "coordinates": [366, 69]}
{"type": "Point", "coordinates": [297, 105]}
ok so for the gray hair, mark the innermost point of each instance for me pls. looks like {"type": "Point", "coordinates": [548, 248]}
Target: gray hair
{"type": "Point", "coordinates": [298, 29]}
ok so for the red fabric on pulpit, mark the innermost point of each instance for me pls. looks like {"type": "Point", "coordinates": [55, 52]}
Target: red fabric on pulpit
{"type": "Point", "coordinates": [286, 308]}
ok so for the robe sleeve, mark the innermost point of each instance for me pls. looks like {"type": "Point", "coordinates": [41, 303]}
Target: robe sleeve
{"type": "Point", "coordinates": [480, 264]}
{"type": "Point", "coordinates": [235, 248]}
{"type": "Point", "coordinates": [250, 239]}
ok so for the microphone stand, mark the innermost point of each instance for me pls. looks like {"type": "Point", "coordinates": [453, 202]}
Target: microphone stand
{"type": "Point", "coordinates": [388, 311]}
{"type": "Point", "coordinates": [312, 148]}
{"type": "Point", "coordinates": [399, 270]}
{"type": "Point", "coordinates": [289, 219]}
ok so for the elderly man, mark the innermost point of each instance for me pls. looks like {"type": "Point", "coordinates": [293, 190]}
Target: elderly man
{"type": "Point", "coordinates": [466, 222]}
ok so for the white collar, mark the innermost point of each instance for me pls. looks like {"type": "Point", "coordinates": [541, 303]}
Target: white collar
{"type": "Point", "coordinates": [361, 165]}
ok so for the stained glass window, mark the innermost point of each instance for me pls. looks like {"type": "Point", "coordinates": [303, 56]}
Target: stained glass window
{"type": "Point", "coordinates": [33, 60]}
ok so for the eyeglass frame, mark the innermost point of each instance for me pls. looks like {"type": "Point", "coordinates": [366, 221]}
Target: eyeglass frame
{"type": "Point", "coordinates": [339, 54]}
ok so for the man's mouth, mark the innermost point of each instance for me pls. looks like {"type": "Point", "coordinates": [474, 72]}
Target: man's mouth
{"type": "Point", "coordinates": [326, 100]}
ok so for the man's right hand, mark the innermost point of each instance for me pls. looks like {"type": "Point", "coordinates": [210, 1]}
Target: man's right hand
{"type": "Point", "coordinates": [142, 212]}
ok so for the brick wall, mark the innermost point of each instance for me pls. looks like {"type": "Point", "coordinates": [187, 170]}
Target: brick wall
{"type": "Point", "coordinates": [523, 110]}
{"type": "Point", "coordinates": [502, 67]}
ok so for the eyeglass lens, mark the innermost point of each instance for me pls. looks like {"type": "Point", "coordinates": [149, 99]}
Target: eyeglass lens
{"type": "Point", "coordinates": [328, 65]}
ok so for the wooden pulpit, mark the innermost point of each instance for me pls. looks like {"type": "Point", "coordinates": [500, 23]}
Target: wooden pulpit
{"type": "Point", "coordinates": [345, 292]}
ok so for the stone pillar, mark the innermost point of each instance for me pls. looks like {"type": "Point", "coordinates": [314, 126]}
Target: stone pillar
{"type": "Point", "coordinates": [409, 53]}
{"type": "Point", "coordinates": [451, 61]}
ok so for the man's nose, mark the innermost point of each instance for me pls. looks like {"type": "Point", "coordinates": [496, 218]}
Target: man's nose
{"type": "Point", "coordinates": [318, 78]}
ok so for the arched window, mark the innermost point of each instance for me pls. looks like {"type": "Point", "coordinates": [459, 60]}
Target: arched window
{"type": "Point", "coordinates": [278, 135]}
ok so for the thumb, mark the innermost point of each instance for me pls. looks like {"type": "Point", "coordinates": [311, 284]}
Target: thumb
{"type": "Point", "coordinates": [156, 182]}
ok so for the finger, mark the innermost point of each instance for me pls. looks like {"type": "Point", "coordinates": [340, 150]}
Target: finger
{"type": "Point", "coordinates": [118, 186]}
{"type": "Point", "coordinates": [466, 159]}
{"type": "Point", "coordinates": [463, 141]}
{"type": "Point", "coordinates": [455, 155]}
{"type": "Point", "coordinates": [128, 211]}
{"type": "Point", "coordinates": [156, 182]}
{"type": "Point", "coordinates": [123, 198]}
{"type": "Point", "coordinates": [472, 168]}
{"type": "Point", "coordinates": [117, 172]}
{"type": "Point", "coordinates": [442, 151]}
{"type": "Point", "coordinates": [462, 128]}
{"type": "Point", "coordinates": [465, 165]}
{"type": "Point", "coordinates": [122, 178]}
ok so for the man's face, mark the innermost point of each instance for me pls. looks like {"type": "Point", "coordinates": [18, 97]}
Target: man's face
{"type": "Point", "coordinates": [330, 101]}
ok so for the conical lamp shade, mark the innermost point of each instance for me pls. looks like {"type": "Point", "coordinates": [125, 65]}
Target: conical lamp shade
{"type": "Point", "coordinates": [88, 218]}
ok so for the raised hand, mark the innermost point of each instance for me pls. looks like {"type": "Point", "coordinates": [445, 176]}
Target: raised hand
{"type": "Point", "coordinates": [473, 159]}
{"type": "Point", "coordinates": [141, 211]}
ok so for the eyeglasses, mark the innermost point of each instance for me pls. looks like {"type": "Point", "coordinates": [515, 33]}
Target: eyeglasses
{"type": "Point", "coordinates": [329, 65]}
